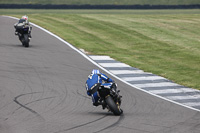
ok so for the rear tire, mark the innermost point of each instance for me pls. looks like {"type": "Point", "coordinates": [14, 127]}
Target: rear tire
{"type": "Point", "coordinates": [115, 108]}
{"type": "Point", "coordinates": [26, 40]}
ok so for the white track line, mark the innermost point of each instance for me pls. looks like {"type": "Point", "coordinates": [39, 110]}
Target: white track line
{"type": "Point", "coordinates": [156, 84]}
{"type": "Point", "coordinates": [114, 65]}
{"type": "Point", "coordinates": [126, 71]}
{"type": "Point", "coordinates": [101, 58]}
{"type": "Point", "coordinates": [181, 97]}
{"type": "Point", "coordinates": [193, 104]}
{"type": "Point", "coordinates": [142, 78]}
{"type": "Point", "coordinates": [92, 61]}
{"type": "Point", "coordinates": [179, 90]}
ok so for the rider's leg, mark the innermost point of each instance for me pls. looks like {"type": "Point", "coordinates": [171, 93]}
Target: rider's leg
{"type": "Point", "coordinates": [16, 32]}
{"type": "Point", "coordinates": [29, 34]}
{"type": "Point", "coordinates": [95, 99]}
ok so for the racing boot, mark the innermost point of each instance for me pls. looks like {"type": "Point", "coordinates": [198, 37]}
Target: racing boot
{"type": "Point", "coordinates": [103, 104]}
{"type": "Point", "coordinates": [29, 36]}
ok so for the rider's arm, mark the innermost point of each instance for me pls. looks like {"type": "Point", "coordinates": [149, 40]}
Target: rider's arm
{"type": "Point", "coordinates": [105, 78]}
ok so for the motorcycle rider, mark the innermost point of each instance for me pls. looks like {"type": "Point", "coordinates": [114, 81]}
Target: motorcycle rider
{"type": "Point", "coordinates": [95, 79]}
{"type": "Point", "coordinates": [23, 22]}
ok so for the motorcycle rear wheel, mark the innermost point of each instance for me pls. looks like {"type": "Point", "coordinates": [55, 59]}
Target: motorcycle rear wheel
{"type": "Point", "coordinates": [115, 108]}
{"type": "Point", "coordinates": [26, 40]}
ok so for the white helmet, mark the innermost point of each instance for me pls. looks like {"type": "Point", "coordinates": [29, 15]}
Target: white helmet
{"type": "Point", "coordinates": [95, 71]}
{"type": "Point", "coordinates": [25, 17]}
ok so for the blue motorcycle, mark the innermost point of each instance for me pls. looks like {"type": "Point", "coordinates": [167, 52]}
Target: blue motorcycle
{"type": "Point", "coordinates": [110, 98]}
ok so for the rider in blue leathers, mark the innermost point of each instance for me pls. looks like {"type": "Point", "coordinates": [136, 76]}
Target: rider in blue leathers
{"type": "Point", "coordinates": [95, 79]}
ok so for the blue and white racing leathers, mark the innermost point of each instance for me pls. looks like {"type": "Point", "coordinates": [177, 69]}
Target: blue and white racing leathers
{"type": "Point", "coordinates": [94, 80]}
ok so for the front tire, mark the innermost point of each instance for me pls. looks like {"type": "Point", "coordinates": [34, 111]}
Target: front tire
{"type": "Point", "coordinates": [115, 108]}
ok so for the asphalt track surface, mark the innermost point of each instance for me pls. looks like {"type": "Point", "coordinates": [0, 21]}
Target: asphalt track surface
{"type": "Point", "coordinates": [42, 90]}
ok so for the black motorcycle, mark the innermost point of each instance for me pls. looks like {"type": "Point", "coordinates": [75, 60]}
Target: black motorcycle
{"type": "Point", "coordinates": [110, 98]}
{"type": "Point", "coordinates": [23, 34]}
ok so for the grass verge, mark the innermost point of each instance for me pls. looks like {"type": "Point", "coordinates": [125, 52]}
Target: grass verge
{"type": "Point", "coordinates": [164, 42]}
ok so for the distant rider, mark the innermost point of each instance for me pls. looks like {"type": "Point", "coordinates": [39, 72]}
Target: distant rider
{"type": "Point", "coordinates": [95, 79]}
{"type": "Point", "coordinates": [23, 22]}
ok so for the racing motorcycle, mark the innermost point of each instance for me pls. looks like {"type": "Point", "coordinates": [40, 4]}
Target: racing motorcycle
{"type": "Point", "coordinates": [110, 98]}
{"type": "Point", "coordinates": [23, 34]}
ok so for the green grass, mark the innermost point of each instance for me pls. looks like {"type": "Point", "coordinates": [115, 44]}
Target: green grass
{"type": "Point", "coordinates": [103, 2]}
{"type": "Point", "coordinates": [164, 42]}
